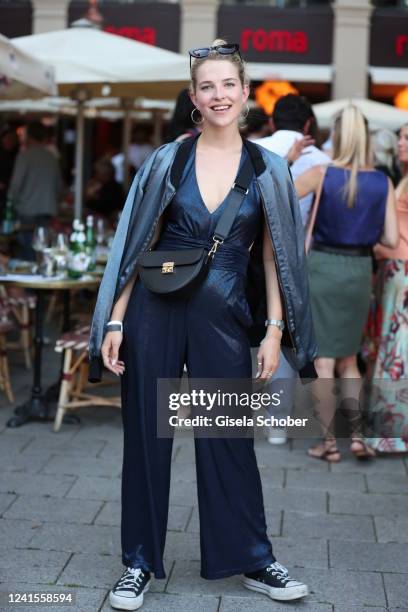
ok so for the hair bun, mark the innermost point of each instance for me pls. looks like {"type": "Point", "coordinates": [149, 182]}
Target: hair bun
{"type": "Point", "coordinates": [219, 41]}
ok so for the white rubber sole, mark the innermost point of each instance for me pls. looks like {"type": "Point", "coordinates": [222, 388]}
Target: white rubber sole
{"type": "Point", "coordinates": [281, 594]}
{"type": "Point", "coordinates": [127, 603]}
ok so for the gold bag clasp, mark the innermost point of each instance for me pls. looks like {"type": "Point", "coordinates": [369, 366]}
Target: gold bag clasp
{"type": "Point", "coordinates": [167, 267]}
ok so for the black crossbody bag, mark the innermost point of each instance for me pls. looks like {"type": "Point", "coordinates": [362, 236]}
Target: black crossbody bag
{"type": "Point", "coordinates": [177, 273]}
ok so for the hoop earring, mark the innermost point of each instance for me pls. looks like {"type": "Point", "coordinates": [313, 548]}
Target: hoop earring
{"type": "Point", "coordinates": [247, 111]}
{"type": "Point", "coordinates": [192, 117]}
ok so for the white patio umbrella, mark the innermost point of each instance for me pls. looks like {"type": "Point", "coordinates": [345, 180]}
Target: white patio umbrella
{"type": "Point", "coordinates": [377, 114]}
{"type": "Point", "coordinates": [21, 75]}
{"type": "Point", "coordinates": [90, 63]}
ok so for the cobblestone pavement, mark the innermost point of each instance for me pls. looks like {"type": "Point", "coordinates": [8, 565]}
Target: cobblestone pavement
{"type": "Point", "coordinates": [343, 529]}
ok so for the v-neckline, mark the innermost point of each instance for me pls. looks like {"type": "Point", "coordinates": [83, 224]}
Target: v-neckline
{"type": "Point", "coordinates": [212, 213]}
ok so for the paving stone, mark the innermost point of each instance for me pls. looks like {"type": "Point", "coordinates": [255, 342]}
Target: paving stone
{"type": "Point", "coordinates": [326, 481]}
{"type": "Point", "coordinates": [177, 521]}
{"type": "Point", "coordinates": [185, 579]}
{"type": "Point", "coordinates": [273, 522]}
{"type": "Point", "coordinates": [278, 456]}
{"type": "Point", "coordinates": [367, 503]}
{"type": "Point", "coordinates": [382, 465]}
{"type": "Point", "coordinates": [16, 534]}
{"type": "Point", "coordinates": [359, 609]}
{"type": "Point", "coordinates": [6, 499]}
{"type": "Point", "coordinates": [98, 571]}
{"type": "Point", "coordinates": [183, 471]}
{"type": "Point", "coordinates": [343, 587]}
{"type": "Point", "coordinates": [396, 589]}
{"type": "Point", "coordinates": [18, 462]}
{"type": "Point", "coordinates": [86, 600]}
{"type": "Point", "coordinates": [292, 499]}
{"type": "Point", "coordinates": [185, 453]}
{"type": "Point", "coordinates": [156, 602]}
{"type": "Point", "coordinates": [369, 556]}
{"type": "Point", "coordinates": [77, 538]}
{"type": "Point", "coordinates": [35, 484]}
{"type": "Point", "coordinates": [240, 604]}
{"type": "Point", "coordinates": [183, 493]}
{"type": "Point", "coordinates": [392, 528]}
{"type": "Point", "coordinates": [96, 487]}
{"type": "Point", "coordinates": [32, 565]}
{"type": "Point", "coordinates": [53, 509]}
{"type": "Point", "coordinates": [56, 444]}
{"type": "Point", "coordinates": [14, 442]}
{"type": "Point", "coordinates": [325, 526]}
{"type": "Point", "coordinates": [113, 451]}
{"type": "Point", "coordinates": [81, 466]}
{"type": "Point", "coordinates": [387, 483]}
{"type": "Point", "coordinates": [182, 545]}
{"type": "Point", "coordinates": [301, 552]}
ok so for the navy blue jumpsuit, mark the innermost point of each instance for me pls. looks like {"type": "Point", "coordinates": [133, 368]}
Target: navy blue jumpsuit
{"type": "Point", "coordinates": [207, 332]}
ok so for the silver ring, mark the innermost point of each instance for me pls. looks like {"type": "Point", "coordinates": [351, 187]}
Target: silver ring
{"type": "Point", "coordinates": [259, 362]}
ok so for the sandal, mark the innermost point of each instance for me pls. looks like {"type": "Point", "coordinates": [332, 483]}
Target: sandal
{"type": "Point", "coordinates": [364, 452]}
{"type": "Point", "coordinates": [331, 454]}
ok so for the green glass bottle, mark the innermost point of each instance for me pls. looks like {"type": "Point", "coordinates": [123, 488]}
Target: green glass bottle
{"type": "Point", "coordinates": [90, 242]}
{"type": "Point", "coordinates": [7, 225]}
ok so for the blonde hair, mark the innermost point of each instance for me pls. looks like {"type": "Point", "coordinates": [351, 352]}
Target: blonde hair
{"type": "Point", "coordinates": [402, 188]}
{"type": "Point", "coordinates": [384, 148]}
{"type": "Point", "coordinates": [351, 146]}
{"type": "Point", "coordinates": [234, 59]}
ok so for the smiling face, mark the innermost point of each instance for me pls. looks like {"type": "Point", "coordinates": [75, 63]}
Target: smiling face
{"type": "Point", "coordinates": [219, 94]}
{"type": "Point", "coordinates": [403, 145]}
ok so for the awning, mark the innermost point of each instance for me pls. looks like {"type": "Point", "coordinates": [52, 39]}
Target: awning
{"type": "Point", "coordinates": [308, 73]}
{"type": "Point", "coordinates": [388, 76]}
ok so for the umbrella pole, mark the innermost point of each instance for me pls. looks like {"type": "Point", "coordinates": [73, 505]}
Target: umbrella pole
{"type": "Point", "coordinates": [126, 138]}
{"type": "Point", "coordinates": [79, 159]}
{"type": "Point", "coordinates": [157, 128]}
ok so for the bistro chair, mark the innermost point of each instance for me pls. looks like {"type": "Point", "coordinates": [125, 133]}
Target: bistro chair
{"type": "Point", "coordinates": [6, 326]}
{"type": "Point", "coordinates": [20, 308]}
{"type": "Point", "coordinates": [75, 391]}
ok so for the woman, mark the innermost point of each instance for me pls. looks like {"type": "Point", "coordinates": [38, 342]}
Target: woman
{"type": "Point", "coordinates": [103, 194]}
{"type": "Point", "coordinates": [385, 154]}
{"type": "Point", "coordinates": [356, 210]}
{"type": "Point", "coordinates": [207, 331]}
{"type": "Point", "coordinates": [388, 345]}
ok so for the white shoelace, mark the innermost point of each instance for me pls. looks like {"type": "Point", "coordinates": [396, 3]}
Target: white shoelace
{"type": "Point", "coordinates": [278, 570]}
{"type": "Point", "coordinates": [130, 578]}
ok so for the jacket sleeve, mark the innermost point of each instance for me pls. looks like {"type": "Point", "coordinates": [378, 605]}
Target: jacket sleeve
{"type": "Point", "coordinates": [108, 284]}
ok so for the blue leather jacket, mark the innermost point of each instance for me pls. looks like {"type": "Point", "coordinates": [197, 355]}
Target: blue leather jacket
{"type": "Point", "coordinates": [151, 192]}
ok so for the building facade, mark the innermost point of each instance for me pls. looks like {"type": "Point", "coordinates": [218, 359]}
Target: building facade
{"type": "Point", "coordinates": [327, 50]}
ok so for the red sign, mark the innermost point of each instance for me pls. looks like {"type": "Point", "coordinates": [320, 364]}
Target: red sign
{"type": "Point", "coordinates": [270, 34]}
{"type": "Point", "coordinates": [145, 35]}
{"type": "Point", "coordinates": [389, 38]}
{"type": "Point", "coordinates": [401, 44]}
{"type": "Point", "coordinates": [274, 40]}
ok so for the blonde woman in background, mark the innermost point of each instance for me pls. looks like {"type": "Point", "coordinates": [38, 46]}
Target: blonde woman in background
{"type": "Point", "coordinates": [356, 211]}
{"type": "Point", "coordinates": [388, 349]}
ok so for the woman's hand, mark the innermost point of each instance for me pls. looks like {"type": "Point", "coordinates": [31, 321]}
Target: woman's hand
{"type": "Point", "coordinates": [269, 354]}
{"type": "Point", "coordinates": [296, 150]}
{"type": "Point", "coordinates": [110, 352]}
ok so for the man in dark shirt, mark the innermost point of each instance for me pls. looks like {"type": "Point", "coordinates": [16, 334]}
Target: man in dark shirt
{"type": "Point", "coordinates": [103, 195]}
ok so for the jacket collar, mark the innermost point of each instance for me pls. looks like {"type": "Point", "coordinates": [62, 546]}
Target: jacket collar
{"type": "Point", "coordinates": [184, 150]}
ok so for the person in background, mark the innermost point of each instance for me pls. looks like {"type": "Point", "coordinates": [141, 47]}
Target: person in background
{"type": "Point", "coordinates": [103, 194]}
{"type": "Point", "coordinates": [294, 123]}
{"type": "Point", "coordinates": [140, 147]}
{"type": "Point", "coordinates": [293, 119]}
{"type": "Point", "coordinates": [257, 124]}
{"type": "Point", "coordinates": [388, 344]}
{"type": "Point", "coordinates": [9, 146]}
{"type": "Point", "coordinates": [36, 186]}
{"type": "Point", "coordinates": [182, 123]}
{"type": "Point", "coordinates": [384, 143]}
{"type": "Point", "coordinates": [356, 211]}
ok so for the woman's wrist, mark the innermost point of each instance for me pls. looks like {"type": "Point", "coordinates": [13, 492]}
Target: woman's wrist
{"type": "Point", "coordinates": [273, 332]}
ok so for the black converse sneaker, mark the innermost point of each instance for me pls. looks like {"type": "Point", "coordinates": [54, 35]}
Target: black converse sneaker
{"type": "Point", "coordinates": [127, 594]}
{"type": "Point", "coordinates": [274, 580]}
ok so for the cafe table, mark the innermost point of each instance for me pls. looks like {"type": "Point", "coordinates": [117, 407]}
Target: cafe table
{"type": "Point", "coordinates": [36, 407]}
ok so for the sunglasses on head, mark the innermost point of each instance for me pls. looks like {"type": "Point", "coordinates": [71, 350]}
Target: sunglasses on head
{"type": "Point", "coordinates": [226, 49]}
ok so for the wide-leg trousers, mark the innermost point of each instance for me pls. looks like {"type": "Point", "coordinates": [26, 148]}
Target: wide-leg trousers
{"type": "Point", "coordinates": [206, 333]}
